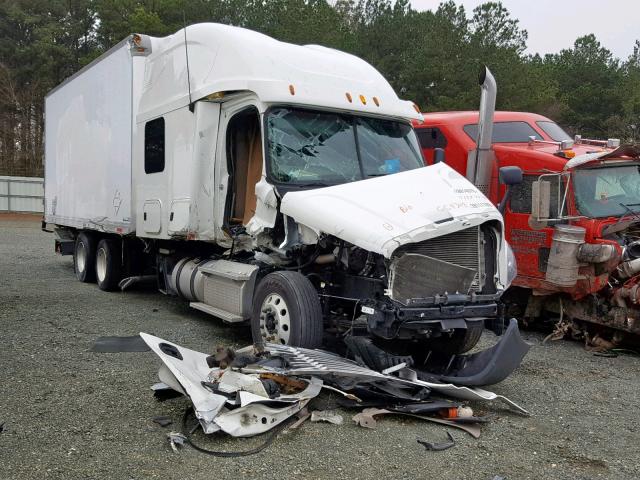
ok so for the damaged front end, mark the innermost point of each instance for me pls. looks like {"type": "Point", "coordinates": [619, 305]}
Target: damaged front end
{"type": "Point", "coordinates": [439, 285]}
{"type": "Point", "coordinates": [402, 266]}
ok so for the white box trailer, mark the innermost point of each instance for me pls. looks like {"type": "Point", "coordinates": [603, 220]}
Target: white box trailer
{"type": "Point", "coordinates": [272, 183]}
{"type": "Point", "coordinates": [89, 127]}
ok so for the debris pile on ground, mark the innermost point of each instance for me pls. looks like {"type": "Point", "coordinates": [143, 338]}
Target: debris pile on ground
{"type": "Point", "coordinates": [265, 387]}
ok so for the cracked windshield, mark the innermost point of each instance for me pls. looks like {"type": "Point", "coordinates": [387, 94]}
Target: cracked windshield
{"type": "Point", "coordinates": [608, 191]}
{"type": "Point", "coordinates": [315, 148]}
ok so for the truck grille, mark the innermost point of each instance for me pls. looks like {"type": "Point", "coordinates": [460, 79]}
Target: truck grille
{"type": "Point", "coordinates": [451, 263]}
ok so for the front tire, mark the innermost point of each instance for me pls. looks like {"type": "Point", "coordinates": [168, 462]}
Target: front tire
{"type": "Point", "coordinates": [108, 264]}
{"type": "Point", "coordinates": [286, 310]}
{"type": "Point", "coordinates": [461, 341]}
{"type": "Point", "coordinates": [84, 257]}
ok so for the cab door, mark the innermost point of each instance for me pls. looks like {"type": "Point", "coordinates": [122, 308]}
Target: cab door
{"type": "Point", "coordinates": [530, 242]}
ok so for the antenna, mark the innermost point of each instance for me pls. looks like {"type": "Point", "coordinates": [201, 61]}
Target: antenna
{"type": "Point", "coordinates": [186, 53]}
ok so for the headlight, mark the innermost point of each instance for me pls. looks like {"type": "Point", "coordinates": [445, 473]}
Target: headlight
{"type": "Point", "coordinates": [512, 266]}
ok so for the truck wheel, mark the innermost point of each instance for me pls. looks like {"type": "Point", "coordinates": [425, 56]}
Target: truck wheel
{"type": "Point", "coordinates": [286, 310]}
{"type": "Point", "coordinates": [108, 264]}
{"type": "Point", "coordinates": [84, 257]}
{"type": "Point", "coordinates": [462, 340]}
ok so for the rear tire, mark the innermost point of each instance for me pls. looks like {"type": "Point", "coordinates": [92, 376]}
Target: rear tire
{"type": "Point", "coordinates": [108, 264]}
{"type": "Point", "coordinates": [84, 257]}
{"type": "Point", "coordinates": [286, 310]}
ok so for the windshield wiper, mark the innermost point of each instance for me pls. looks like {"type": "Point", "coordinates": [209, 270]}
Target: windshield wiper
{"type": "Point", "coordinates": [310, 184]}
{"type": "Point", "coordinates": [632, 212]}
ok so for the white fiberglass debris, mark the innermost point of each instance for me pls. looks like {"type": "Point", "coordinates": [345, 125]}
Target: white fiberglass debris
{"type": "Point", "coordinates": [187, 372]}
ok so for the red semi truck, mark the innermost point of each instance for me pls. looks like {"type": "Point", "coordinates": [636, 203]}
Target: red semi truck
{"type": "Point", "coordinates": [572, 215]}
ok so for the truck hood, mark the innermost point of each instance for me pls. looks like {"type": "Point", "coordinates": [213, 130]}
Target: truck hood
{"type": "Point", "coordinates": [380, 214]}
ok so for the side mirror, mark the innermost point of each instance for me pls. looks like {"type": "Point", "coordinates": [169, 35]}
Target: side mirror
{"type": "Point", "coordinates": [438, 155]}
{"type": "Point", "coordinates": [540, 200]}
{"type": "Point", "coordinates": [510, 175]}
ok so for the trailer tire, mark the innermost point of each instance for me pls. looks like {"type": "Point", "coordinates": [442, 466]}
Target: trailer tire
{"type": "Point", "coordinates": [84, 257]}
{"type": "Point", "coordinates": [286, 310]}
{"type": "Point", "coordinates": [108, 264]}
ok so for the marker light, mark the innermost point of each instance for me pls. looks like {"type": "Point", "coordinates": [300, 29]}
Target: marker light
{"type": "Point", "coordinates": [215, 96]}
{"type": "Point", "coordinates": [363, 99]}
{"type": "Point", "coordinates": [376, 101]}
{"type": "Point", "coordinates": [292, 90]}
{"type": "Point", "coordinates": [348, 95]}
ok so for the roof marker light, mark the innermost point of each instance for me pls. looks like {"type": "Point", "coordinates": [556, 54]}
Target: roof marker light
{"type": "Point", "coordinates": [348, 95]}
{"type": "Point", "coordinates": [212, 97]}
{"type": "Point", "coordinates": [292, 90]}
{"type": "Point", "coordinates": [376, 101]}
{"type": "Point", "coordinates": [363, 99]}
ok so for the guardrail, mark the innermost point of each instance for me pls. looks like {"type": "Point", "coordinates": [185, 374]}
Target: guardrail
{"type": "Point", "coordinates": [21, 194]}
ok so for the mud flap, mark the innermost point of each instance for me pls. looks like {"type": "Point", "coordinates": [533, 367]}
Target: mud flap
{"type": "Point", "coordinates": [489, 366]}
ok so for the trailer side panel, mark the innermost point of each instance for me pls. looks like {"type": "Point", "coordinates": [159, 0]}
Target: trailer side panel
{"type": "Point", "coordinates": [88, 146]}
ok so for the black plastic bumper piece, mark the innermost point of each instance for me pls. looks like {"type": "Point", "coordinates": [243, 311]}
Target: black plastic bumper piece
{"type": "Point", "coordinates": [386, 323]}
{"type": "Point", "coordinates": [489, 366]}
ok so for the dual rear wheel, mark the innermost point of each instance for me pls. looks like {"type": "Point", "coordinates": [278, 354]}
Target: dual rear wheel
{"type": "Point", "coordinates": [98, 260]}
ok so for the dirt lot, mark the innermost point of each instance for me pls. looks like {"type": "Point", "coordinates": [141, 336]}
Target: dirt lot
{"type": "Point", "coordinates": [70, 413]}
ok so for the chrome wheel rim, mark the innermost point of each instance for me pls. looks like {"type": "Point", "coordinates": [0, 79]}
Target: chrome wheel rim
{"type": "Point", "coordinates": [275, 320]}
{"type": "Point", "coordinates": [81, 257]}
{"type": "Point", "coordinates": [101, 264]}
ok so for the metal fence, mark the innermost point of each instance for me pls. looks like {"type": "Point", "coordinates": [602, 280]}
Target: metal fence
{"type": "Point", "coordinates": [21, 194]}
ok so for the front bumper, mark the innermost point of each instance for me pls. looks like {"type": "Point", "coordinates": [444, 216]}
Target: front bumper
{"type": "Point", "coordinates": [390, 320]}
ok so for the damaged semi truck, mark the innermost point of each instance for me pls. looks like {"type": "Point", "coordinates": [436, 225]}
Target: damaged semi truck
{"type": "Point", "coordinates": [266, 182]}
{"type": "Point", "coordinates": [572, 219]}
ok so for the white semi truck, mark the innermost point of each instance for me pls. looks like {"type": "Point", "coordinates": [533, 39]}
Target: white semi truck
{"type": "Point", "coordinates": [268, 183]}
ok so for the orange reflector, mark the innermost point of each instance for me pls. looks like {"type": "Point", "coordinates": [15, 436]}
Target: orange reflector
{"type": "Point", "coordinates": [348, 95]}
{"type": "Point", "coordinates": [292, 90]}
{"type": "Point", "coordinates": [363, 99]}
{"type": "Point", "coordinates": [569, 154]}
{"type": "Point", "coordinates": [449, 412]}
{"type": "Point", "coordinates": [376, 101]}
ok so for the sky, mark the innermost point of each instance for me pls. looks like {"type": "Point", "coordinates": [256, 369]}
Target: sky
{"type": "Point", "coordinates": [555, 24]}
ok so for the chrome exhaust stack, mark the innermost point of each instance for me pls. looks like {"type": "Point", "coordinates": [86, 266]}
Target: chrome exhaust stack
{"type": "Point", "coordinates": [480, 162]}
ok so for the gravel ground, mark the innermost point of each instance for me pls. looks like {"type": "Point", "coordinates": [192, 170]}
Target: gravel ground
{"type": "Point", "coordinates": [70, 413]}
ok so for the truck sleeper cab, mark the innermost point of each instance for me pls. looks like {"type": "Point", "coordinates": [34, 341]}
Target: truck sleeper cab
{"type": "Point", "coordinates": [284, 186]}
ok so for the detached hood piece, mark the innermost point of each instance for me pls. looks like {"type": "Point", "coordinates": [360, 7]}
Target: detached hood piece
{"type": "Point", "coordinates": [251, 412]}
{"type": "Point", "coordinates": [274, 382]}
{"type": "Point", "coordinates": [189, 369]}
{"type": "Point", "coordinates": [380, 214]}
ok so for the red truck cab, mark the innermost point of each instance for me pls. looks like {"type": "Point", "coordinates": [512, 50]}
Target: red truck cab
{"type": "Point", "coordinates": [589, 186]}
